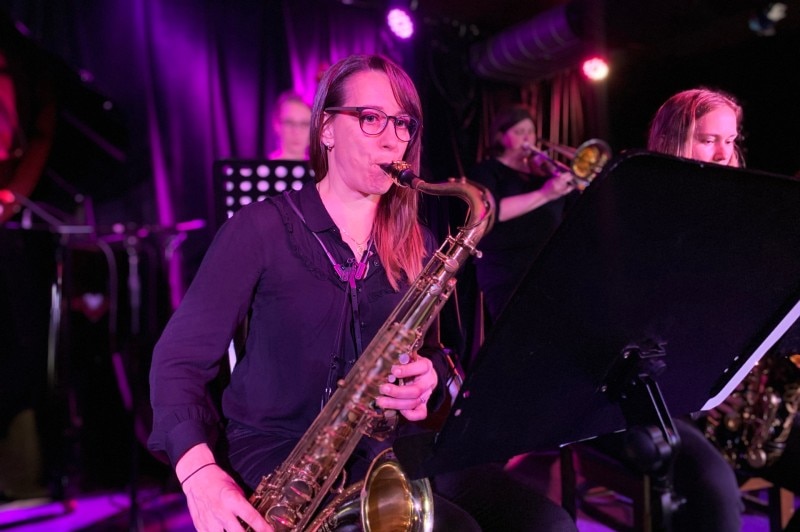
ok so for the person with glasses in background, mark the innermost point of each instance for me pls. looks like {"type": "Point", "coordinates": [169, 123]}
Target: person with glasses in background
{"type": "Point", "coordinates": [291, 123]}
{"type": "Point", "coordinates": [317, 272]}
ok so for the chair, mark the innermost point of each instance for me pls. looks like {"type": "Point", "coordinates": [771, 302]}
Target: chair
{"type": "Point", "coordinates": [621, 495]}
{"type": "Point", "coordinates": [614, 494]}
{"type": "Point", "coordinates": [779, 505]}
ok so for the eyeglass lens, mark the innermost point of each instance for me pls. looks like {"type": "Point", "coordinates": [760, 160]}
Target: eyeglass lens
{"type": "Point", "coordinates": [374, 121]}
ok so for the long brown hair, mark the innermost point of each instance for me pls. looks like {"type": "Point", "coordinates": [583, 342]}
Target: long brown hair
{"type": "Point", "coordinates": [673, 125]}
{"type": "Point", "coordinates": [398, 236]}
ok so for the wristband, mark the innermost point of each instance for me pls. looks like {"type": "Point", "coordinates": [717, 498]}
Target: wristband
{"type": "Point", "coordinates": [190, 475]}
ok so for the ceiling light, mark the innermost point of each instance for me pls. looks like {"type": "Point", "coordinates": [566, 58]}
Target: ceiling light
{"type": "Point", "coordinates": [595, 68]}
{"type": "Point", "coordinates": [400, 22]}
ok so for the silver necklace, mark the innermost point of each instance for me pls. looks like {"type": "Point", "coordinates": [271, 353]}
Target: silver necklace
{"type": "Point", "coordinates": [360, 246]}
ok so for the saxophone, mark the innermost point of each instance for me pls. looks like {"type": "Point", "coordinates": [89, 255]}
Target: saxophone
{"type": "Point", "coordinates": [751, 426]}
{"type": "Point", "coordinates": [289, 497]}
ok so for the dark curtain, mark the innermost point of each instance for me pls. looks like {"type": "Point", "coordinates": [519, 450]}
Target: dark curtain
{"type": "Point", "coordinates": [190, 81]}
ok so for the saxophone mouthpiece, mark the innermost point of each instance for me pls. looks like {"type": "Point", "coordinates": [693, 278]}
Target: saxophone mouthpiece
{"type": "Point", "coordinates": [400, 172]}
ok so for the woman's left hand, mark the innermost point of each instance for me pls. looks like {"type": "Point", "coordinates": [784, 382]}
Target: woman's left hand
{"type": "Point", "coordinates": [409, 388]}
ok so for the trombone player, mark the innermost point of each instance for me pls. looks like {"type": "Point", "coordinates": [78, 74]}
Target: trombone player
{"type": "Point", "coordinates": [532, 193]}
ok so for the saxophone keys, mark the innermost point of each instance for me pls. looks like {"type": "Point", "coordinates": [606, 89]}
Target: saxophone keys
{"type": "Point", "coordinates": [282, 517]}
{"type": "Point", "coordinates": [451, 265]}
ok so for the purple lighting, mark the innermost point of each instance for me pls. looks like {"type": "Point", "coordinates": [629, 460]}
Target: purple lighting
{"type": "Point", "coordinates": [400, 23]}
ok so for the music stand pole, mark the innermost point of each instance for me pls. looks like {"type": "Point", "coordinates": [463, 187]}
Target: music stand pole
{"type": "Point", "coordinates": [651, 439]}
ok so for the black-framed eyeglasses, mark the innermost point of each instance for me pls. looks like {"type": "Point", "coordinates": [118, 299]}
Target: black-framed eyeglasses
{"type": "Point", "coordinates": [373, 121]}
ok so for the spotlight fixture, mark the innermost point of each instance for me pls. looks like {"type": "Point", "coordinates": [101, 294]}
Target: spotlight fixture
{"type": "Point", "coordinates": [595, 68]}
{"type": "Point", "coordinates": [764, 20]}
{"type": "Point", "coordinates": [400, 22]}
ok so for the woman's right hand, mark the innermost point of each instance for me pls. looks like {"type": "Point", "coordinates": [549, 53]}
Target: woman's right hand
{"type": "Point", "coordinates": [555, 187]}
{"type": "Point", "coordinates": [560, 184]}
{"type": "Point", "coordinates": [214, 499]}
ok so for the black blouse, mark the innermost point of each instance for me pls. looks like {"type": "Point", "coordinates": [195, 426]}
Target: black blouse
{"type": "Point", "coordinates": [264, 262]}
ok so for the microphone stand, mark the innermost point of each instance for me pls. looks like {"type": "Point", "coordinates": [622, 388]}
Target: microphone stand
{"type": "Point", "coordinates": [131, 237]}
{"type": "Point", "coordinates": [65, 229]}
{"type": "Point", "coordinates": [7, 197]}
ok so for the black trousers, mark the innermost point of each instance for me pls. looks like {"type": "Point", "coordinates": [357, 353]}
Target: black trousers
{"type": "Point", "coordinates": [699, 475]}
{"type": "Point", "coordinates": [500, 503]}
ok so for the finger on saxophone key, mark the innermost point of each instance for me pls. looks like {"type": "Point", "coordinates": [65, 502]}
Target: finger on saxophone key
{"type": "Point", "coordinates": [403, 359]}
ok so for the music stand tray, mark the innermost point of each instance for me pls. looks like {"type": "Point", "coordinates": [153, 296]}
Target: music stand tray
{"type": "Point", "coordinates": [695, 262]}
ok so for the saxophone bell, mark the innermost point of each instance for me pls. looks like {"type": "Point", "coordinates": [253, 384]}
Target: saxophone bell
{"type": "Point", "coordinates": [386, 500]}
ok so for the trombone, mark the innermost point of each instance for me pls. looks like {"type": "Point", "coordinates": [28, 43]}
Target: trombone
{"type": "Point", "coordinates": [586, 161]}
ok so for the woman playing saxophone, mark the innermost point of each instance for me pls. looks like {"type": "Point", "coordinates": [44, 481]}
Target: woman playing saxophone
{"type": "Point", "coordinates": [315, 274]}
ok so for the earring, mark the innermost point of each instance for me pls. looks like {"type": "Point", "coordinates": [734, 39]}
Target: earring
{"type": "Point", "coordinates": [328, 146]}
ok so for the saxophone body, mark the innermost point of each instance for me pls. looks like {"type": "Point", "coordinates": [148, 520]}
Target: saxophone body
{"type": "Point", "coordinates": [289, 497]}
{"type": "Point", "coordinates": [752, 425]}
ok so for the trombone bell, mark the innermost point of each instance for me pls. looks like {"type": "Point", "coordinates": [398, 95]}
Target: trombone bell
{"type": "Point", "coordinates": [589, 159]}
{"type": "Point", "coordinates": [586, 161]}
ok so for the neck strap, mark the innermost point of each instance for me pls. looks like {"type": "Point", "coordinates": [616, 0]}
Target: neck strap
{"type": "Point", "coordinates": [348, 273]}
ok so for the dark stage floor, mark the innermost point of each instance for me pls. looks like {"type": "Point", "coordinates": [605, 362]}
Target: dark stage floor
{"type": "Point", "coordinates": [158, 511]}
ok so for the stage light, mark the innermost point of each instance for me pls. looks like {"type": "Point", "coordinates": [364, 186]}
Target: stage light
{"type": "Point", "coordinates": [595, 68]}
{"type": "Point", "coordinates": [763, 22]}
{"type": "Point", "coordinates": [400, 22]}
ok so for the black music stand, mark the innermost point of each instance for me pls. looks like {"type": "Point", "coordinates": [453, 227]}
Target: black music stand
{"type": "Point", "coordinates": [668, 277]}
{"type": "Point", "coordinates": [238, 182]}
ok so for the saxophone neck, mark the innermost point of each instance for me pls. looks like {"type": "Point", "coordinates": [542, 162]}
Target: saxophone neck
{"type": "Point", "coordinates": [479, 199]}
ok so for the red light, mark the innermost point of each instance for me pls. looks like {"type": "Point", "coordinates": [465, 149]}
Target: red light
{"type": "Point", "coordinates": [595, 68]}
